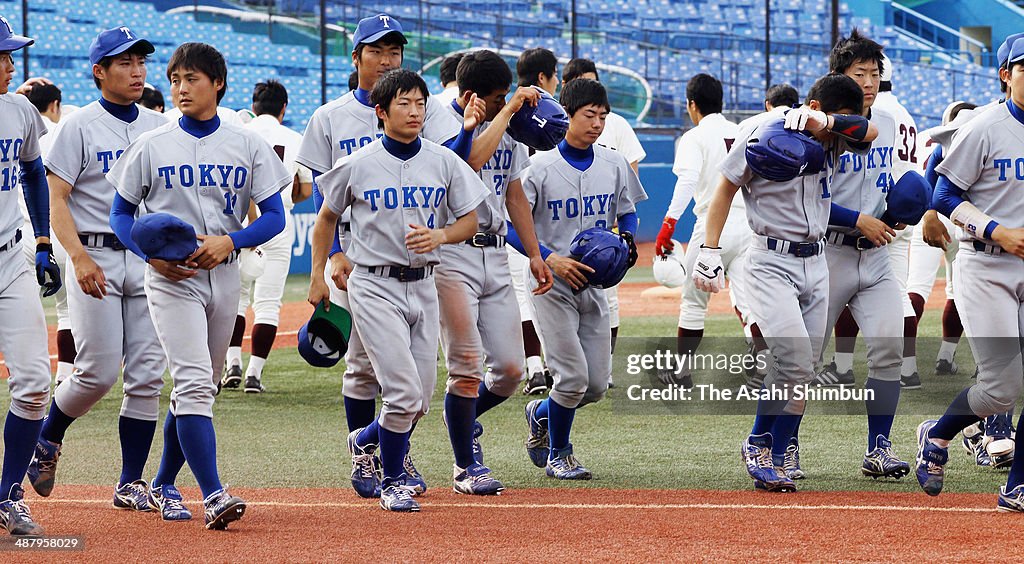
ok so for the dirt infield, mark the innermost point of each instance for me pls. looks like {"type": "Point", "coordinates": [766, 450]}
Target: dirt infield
{"type": "Point", "coordinates": [535, 525]}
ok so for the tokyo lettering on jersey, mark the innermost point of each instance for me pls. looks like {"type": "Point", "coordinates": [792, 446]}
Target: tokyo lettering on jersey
{"type": "Point", "coordinates": [20, 130]}
{"type": "Point", "coordinates": [861, 181]}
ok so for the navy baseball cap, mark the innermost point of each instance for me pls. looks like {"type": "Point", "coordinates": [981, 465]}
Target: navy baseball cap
{"type": "Point", "coordinates": [1003, 54]}
{"type": "Point", "coordinates": [373, 28]}
{"type": "Point", "coordinates": [164, 236]}
{"type": "Point", "coordinates": [8, 40]}
{"type": "Point", "coordinates": [1016, 51]}
{"type": "Point", "coordinates": [115, 41]}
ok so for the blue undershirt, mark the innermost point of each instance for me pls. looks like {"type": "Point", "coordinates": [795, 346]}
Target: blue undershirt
{"type": "Point", "coordinates": [580, 159]}
{"type": "Point", "coordinates": [363, 96]}
{"type": "Point", "coordinates": [403, 151]}
{"type": "Point", "coordinates": [37, 195]}
{"type": "Point", "coordinates": [126, 113]}
{"type": "Point", "coordinates": [199, 128]}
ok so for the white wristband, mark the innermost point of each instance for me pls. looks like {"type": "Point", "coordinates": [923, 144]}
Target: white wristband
{"type": "Point", "coordinates": [971, 219]}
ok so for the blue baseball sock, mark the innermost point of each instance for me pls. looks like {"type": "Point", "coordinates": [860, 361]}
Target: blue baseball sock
{"type": "Point", "coordinates": [199, 443]}
{"type": "Point", "coordinates": [881, 409]}
{"type": "Point", "coordinates": [359, 413]}
{"type": "Point", "coordinates": [486, 400]}
{"type": "Point", "coordinates": [393, 447]}
{"type": "Point", "coordinates": [460, 413]}
{"type": "Point", "coordinates": [559, 424]}
{"type": "Point", "coordinates": [172, 458]}
{"type": "Point", "coordinates": [56, 424]}
{"type": "Point", "coordinates": [20, 436]}
{"type": "Point", "coordinates": [1016, 476]}
{"type": "Point", "coordinates": [370, 435]}
{"type": "Point", "coordinates": [136, 439]}
{"type": "Point", "coordinates": [958, 415]}
{"type": "Point", "coordinates": [542, 410]}
{"type": "Point", "coordinates": [768, 410]}
{"type": "Point", "coordinates": [784, 428]}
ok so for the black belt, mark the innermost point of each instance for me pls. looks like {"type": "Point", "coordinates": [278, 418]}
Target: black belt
{"type": "Point", "coordinates": [486, 240]}
{"type": "Point", "coordinates": [102, 240]}
{"type": "Point", "coordinates": [986, 248]}
{"type": "Point", "coordinates": [10, 244]}
{"type": "Point", "coordinates": [860, 243]}
{"type": "Point", "coordinates": [800, 250]}
{"type": "Point", "coordinates": [401, 273]}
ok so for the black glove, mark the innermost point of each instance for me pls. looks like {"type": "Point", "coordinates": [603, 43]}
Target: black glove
{"type": "Point", "coordinates": [47, 271]}
{"type": "Point", "coordinates": [632, 247]}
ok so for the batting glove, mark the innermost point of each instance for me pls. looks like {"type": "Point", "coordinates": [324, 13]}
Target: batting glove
{"type": "Point", "coordinates": [663, 244]}
{"type": "Point", "coordinates": [47, 271]}
{"type": "Point", "coordinates": [806, 119]}
{"type": "Point", "coordinates": [709, 273]}
{"type": "Point", "coordinates": [633, 255]}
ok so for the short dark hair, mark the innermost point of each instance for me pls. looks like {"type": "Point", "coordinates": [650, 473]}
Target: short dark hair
{"type": "Point", "coordinates": [449, 66]}
{"type": "Point", "coordinates": [533, 62]}
{"type": "Point", "coordinates": [152, 98]}
{"type": "Point", "coordinates": [583, 92]}
{"type": "Point", "coordinates": [42, 95]}
{"type": "Point", "coordinates": [203, 58]}
{"type": "Point", "coordinates": [578, 67]}
{"type": "Point", "coordinates": [782, 95]}
{"type": "Point", "coordinates": [394, 82]}
{"type": "Point", "coordinates": [483, 72]}
{"type": "Point", "coordinates": [105, 62]}
{"type": "Point", "coordinates": [856, 47]}
{"type": "Point", "coordinates": [885, 86]}
{"type": "Point", "coordinates": [353, 80]}
{"type": "Point", "coordinates": [837, 92]}
{"type": "Point", "coordinates": [269, 97]}
{"type": "Point", "coordinates": [705, 91]}
{"type": "Point", "coordinates": [959, 108]}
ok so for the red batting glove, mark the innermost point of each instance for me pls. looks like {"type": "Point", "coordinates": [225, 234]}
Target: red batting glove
{"type": "Point", "coordinates": [663, 244]}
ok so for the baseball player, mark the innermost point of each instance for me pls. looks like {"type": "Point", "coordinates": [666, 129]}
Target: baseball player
{"type": "Point", "coordinates": [480, 325]}
{"type": "Point", "coordinates": [535, 67]}
{"type": "Point", "coordinates": [337, 130]}
{"type": "Point", "coordinates": [206, 173]}
{"type": "Point", "coordinates": [23, 334]}
{"type": "Point", "coordinates": [976, 189]}
{"type": "Point", "coordinates": [778, 96]}
{"type": "Point", "coordinates": [396, 233]}
{"type": "Point", "coordinates": [109, 314]}
{"type": "Point", "coordinates": [448, 81]}
{"type": "Point", "coordinates": [152, 99]}
{"type": "Point", "coordinates": [618, 136]}
{"type": "Point", "coordinates": [788, 274]}
{"type": "Point", "coordinates": [575, 187]}
{"type": "Point", "coordinates": [699, 154]}
{"type": "Point", "coordinates": [269, 104]}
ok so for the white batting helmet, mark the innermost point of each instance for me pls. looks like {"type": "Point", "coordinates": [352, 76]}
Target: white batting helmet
{"type": "Point", "coordinates": [251, 264]}
{"type": "Point", "coordinates": [668, 268]}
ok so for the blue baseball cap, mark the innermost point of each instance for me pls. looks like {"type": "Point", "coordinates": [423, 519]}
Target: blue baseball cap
{"type": "Point", "coordinates": [1003, 53]}
{"type": "Point", "coordinates": [8, 40]}
{"type": "Point", "coordinates": [1016, 51]}
{"type": "Point", "coordinates": [115, 41]}
{"type": "Point", "coordinates": [373, 28]}
{"type": "Point", "coordinates": [164, 236]}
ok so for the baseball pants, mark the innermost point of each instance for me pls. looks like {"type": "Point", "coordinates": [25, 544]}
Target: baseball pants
{"type": "Point", "coordinates": [265, 294]}
{"type": "Point", "coordinates": [358, 382]}
{"type": "Point", "coordinates": [23, 338]}
{"type": "Point", "coordinates": [925, 260]}
{"type": "Point", "coordinates": [899, 258]}
{"type": "Point", "coordinates": [518, 265]}
{"type": "Point", "coordinates": [61, 256]}
{"type": "Point", "coordinates": [735, 240]}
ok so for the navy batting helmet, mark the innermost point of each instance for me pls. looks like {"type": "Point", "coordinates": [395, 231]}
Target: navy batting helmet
{"type": "Point", "coordinates": [542, 126]}
{"type": "Point", "coordinates": [907, 199]}
{"type": "Point", "coordinates": [164, 236]}
{"type": "Point", "coordinates": [323, 340]}
{"type": "Point", "coordinates": [605, 252]}
{"type": "Point", "coordinates": [779, 154]}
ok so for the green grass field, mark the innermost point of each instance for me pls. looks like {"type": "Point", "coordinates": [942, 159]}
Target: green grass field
{"type": "Point", "coordinates": [294, 434]}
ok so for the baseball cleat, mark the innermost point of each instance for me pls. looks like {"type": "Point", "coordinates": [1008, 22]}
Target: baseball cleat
{"type": "Point", "coordinates": [365, 478]}
{"type": "Point", "coordinates": [476, 480]}
{"type": "Point", "coordinates": [398, 497]}
{"type": "Point", "coordinates": [232, 377]}
{"type": "Point", "coordinates": [883, 463]}
{"type": "Point", "coordinates": [973, 435]}
{"type": "Point", "coordinates": [1012, 501]}
{"type": "Point", "coordinates": [830, 377]}
{"type": "Point", "coordinates": [15, 515]}
{"type": "Point", "coordinates": [222, 508]}
{"type": "Point", "coordinates": [611, 381]}
{"type": "Point", "coordinates": [537, 440]}
{"type": "Point", "coordinates": [133, 495]}
{"type": "Point", "coordinates": [912, 382]}
{"type": "Point", "coordinates": [564, 466]}
{"type": "Point", "coordinates": [170, 503]}
{"type": "Point", "coordinates": [757, 456]}
{"type": "Point", "coordinates": [413, 479]}
{"type": "Point", "coordinates": [791, 464]}
{"type": "Point", "coordinates": [478, 449]}
{"type": "Point", "coordinates": [785, 485]}
{"type": "Point", "coordinates": [931, 460]}
{"type": "Point", "coordinates": [998, 441]}
{"type": "Point", "coordinates": [253, 385]}
{"type": "Point", "coordinates": [536, 383]}
{"type": "Point", "coordinates": [669, 377]}
{"type": "Point", "coordinates": [42, 471]}
{"type": "Point", "coordinates": [945, 367]}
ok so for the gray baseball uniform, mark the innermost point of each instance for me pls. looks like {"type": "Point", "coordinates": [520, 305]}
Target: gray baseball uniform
{"type": "Point", "coordinates": [397, 318]}
{"type": "Point", "coordinates": [23, 333]}
{"type": "Point", "coordinates": [337, 129]}
{"type": "Point", "coordinates": [576, 327]}
{"type": "Point", "coordinates": [480, 325]}
{"type": "Point", "coordinates": [207, 182]}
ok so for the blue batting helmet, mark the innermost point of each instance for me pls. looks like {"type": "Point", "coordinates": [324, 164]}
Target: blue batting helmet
{"type": "Point", "coordinates": [907, 199]}
{"type": "Point", "coordinates": [542, 126]}
{"type": "Point", "coordinates": [164, 236]}
{"type": "Point", "coordinates": [779, 154]}
{"type": "Point", "coordinates": [323, 340]}
{"type": "Point", "coordinates": [605, 252]}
